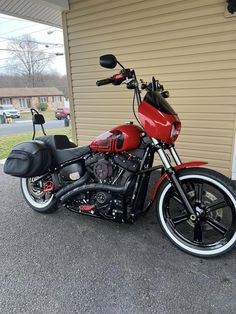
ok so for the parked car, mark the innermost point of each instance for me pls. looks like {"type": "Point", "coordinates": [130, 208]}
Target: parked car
{"type": "Point", "coordinates": [8, 111]}
{"type": "Point", "coordinates": [62, 113]}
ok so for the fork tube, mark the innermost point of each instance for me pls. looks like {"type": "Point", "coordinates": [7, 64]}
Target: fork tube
{"type": "Point", "coordinates": [164, 158]}
{"type": "Point", "coordinates": [174, 180]}
{"type": "Point", "coordinates": [175, 155]}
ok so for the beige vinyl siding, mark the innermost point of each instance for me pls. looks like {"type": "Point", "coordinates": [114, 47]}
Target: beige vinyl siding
{"type": "Point", "coordinates": [190, 46]}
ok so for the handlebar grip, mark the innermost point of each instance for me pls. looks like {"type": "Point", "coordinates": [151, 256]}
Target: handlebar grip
{"type": "Point", "coordinates": [104, 82]}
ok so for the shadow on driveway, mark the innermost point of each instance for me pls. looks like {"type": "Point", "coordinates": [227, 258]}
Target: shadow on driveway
{"type": "Point", "coordinates": [67, 263]}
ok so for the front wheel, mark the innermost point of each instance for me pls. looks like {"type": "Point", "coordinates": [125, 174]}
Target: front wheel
{"type": "Point", "coordinates": [214, 201]}
{"type": "Point", "coordinates": [35, 196]}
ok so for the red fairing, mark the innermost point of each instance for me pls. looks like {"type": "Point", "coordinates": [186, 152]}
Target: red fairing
{"type": "Point", "coordinates": [158, 124]}
{"type": "Point", "coordinates": [182, 166]}
{"type": "Point", "coordinates": [119, 139]}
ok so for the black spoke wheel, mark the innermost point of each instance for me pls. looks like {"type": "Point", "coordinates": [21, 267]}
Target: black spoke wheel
{"type": "Point", "coordinates": [213, 199]}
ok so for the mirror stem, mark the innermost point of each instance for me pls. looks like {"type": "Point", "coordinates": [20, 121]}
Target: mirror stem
{"type": "Point", "coordinates": [120, 64]}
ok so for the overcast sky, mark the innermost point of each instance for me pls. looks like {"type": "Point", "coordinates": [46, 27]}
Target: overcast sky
{"type": "Point", "coordinates": [14, 27]}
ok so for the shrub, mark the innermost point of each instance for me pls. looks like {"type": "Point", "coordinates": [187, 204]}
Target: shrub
{"type": "Point", "coordinates": [42, 106]}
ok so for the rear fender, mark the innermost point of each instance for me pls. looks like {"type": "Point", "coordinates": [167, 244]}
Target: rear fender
{"type": "Point", "coordinates": [177, 168]}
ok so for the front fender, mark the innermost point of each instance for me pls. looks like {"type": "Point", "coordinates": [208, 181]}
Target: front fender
{"type": "Point", "coordinates": [177, 168]}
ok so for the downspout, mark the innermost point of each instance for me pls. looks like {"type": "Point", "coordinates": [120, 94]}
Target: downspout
{"type": "Point", "coordinates": [233, 158]}
{"type": "Point", "coordinates": [69, 77]}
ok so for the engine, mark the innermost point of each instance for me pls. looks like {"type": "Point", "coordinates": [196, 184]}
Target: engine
{"type": "Point", "coordinates": [101, 167]}
{"type": "Point", "coordinates": [112, 168]}
{"type": "Point", "coordinates": [108, 169]}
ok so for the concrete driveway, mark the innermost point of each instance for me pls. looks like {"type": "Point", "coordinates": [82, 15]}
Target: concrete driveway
{"type": "Point", "coordinates": [66, 263]}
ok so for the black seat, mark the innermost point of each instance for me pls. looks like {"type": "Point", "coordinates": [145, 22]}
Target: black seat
{"type": "Point", "coordinates": [63, 150]}
{"type": "Point", "coordinates": [71, 153]}
{"type": "Point", "coordinates": [57, 141]}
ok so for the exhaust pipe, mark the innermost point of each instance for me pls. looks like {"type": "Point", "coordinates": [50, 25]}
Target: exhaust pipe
{"type": "Point", "coordinates": [93, 187]}
{"type": "Point", "coordinates": [80, 186]}
{"type": "Point", "coordinates": [72, 186]}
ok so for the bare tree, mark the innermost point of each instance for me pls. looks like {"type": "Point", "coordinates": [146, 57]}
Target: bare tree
{"type": "Point", "coordinates": [28, 61]}
{"type": "Point", "coordinates": [52, 79]}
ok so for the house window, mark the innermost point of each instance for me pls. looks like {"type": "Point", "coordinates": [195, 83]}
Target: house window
{"type": "Point", "coordinates": [56, 99]}
{"type": "Point", "coordinates": [25, 103]}
{"type": "Point", "coordinates": [6, 101]}
{"type": "Point", "coordinates": [43, 99]}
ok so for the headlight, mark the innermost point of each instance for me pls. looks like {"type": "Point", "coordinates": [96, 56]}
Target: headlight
{"type": "Point", "coordinates": [173, 131]}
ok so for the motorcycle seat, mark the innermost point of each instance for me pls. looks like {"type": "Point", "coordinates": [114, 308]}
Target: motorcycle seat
{"type": "Point", "coordinates": [62, 149]}
{"type": "Point", "coordinates": [63, 155]}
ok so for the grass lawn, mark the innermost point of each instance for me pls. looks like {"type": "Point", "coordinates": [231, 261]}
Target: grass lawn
{"type": "Point", "coordinates": [48, 115]}
{"type": "Point", "coordinates": [8, 141]}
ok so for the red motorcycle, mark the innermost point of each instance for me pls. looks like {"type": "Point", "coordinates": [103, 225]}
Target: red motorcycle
{"type": "Point", "coordinates": [109, 179]}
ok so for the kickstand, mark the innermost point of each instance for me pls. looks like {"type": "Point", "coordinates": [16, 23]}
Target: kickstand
{"type": "Point", "coordinates": [147, 208]}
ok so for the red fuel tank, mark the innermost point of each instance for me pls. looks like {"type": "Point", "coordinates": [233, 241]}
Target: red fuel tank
{"type": "Point", "coordinates": [122, 138]}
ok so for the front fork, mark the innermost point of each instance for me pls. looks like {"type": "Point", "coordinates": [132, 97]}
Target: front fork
{"type": "Point", "coordinates": [173, 177]}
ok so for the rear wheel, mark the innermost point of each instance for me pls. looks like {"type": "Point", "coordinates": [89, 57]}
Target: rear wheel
{"type": "Point", "coordinates": [36, 197]}
{"type": "Point", "coordinates": [213, 199]}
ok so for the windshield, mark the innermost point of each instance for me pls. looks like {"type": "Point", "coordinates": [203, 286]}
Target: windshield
{"type": "Point", "coordinates": [156, 100]}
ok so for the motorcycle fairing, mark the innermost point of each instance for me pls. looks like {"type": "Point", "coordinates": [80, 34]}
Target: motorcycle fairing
{"type": "Point", "coordinates": [177, 168]}
{"type": "Point", "coordinates": [158, 124]}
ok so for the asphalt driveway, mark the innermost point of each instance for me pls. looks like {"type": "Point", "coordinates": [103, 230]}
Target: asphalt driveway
{"type": "Point", "coordinates": [21, 126]}
{"type": "Point", "coordinates": [66, 263]}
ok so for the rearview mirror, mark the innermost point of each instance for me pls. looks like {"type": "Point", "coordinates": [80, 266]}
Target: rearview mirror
{"type": "Point", "coordinates": [108, 61]}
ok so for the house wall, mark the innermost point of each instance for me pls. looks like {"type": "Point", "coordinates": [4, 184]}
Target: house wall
{"type": "Point", "coordinates": [15, 103]}
{"type": "Point", "coordinates": [35, 100]}
{"type": "Point", "coordinates": [188, 45]}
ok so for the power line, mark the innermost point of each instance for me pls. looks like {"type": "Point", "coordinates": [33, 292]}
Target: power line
{"type": "Point", "coordinates": [14, 65]}
{"type": "Point", "coordinates": [15, 50]}
{"type": "Point", "coordinates": [32, 41]}
{"type": "Point", "coordinates": [4, 22]}
{"type": "Point", "coordinates": [4, 59]}
{"type": "Point", "coordinates": [43, 43]}
{"type": "Point", "coordinates": [8, 66]}
{"type": "Point", "coordinates": [19, 29]}
{"type": "Point", "coordinates": [28, 33]}
{"type": "Point", "coordinates": [10, 18]}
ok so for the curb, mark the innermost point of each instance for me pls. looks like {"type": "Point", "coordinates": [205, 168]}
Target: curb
{"type": "Point", "coordinates": [24, 121]}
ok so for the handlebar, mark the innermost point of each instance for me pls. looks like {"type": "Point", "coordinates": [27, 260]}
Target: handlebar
{"type": "Point", "coordinates": [116, 79]}
{"type": "Point", "coordinates": [128, 75]}
{"type": "Point", "coordinates": [104, 82]}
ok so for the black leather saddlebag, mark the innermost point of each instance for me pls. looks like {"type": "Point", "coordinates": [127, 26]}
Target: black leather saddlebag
{"type": "Point", "coordinates": [28, 159]}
